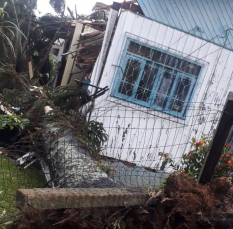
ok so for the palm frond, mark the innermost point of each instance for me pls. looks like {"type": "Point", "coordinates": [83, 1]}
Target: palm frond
{"type": "Point", "coordinates": [15, 27]}
{"type": "Point", "coordinates": [8, 41]}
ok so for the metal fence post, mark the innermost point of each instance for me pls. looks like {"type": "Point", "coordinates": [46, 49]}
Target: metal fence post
{"type": "Point", "coordinates": [218, 143]}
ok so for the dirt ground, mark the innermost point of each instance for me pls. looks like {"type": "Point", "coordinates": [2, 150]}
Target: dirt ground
{"type": "Point", "coordinates": [181, 204]}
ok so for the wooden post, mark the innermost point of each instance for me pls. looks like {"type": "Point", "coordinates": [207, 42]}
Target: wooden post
{"type": "Point", "coordinates": [219, 141]}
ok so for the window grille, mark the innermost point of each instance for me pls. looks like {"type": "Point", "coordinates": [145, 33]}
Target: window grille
{"type": "Point", "coordinates": [156, 79]}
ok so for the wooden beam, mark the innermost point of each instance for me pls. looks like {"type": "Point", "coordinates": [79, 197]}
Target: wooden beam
{"type": "Point", "coordinates": [55, 198]}
{"type": "Point", "coordinates": [30, 69]}
{"type": "Point", "coordinates": [219, 141]}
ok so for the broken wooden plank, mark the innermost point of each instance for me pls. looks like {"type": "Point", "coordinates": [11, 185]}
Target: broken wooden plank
{"type": "Point", "coordinates": [30, 70]}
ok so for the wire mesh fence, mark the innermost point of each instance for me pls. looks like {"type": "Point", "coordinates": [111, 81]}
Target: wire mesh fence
{"type": "Point", "coordinates": [140, 147]}
{"type": "Point", "coordinates": [143, 136]}
{"type": "Point", "coordinates": [13, 178]}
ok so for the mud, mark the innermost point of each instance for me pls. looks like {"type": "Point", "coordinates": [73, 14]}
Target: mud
{"type": "Point", "coordinates": [181, 204]}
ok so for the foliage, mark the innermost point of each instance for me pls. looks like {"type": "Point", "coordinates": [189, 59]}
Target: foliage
{"type": "Point", "coordinates": [225, 164]}
{"type": "Point", "coordinates": [11, 80]}
{"type": "Point", "coordinates": [165, 158]}
{"type": "Point", "coordinates": [5, 37]}
{"type": "Point", "coordinates": [30, 99]}
{"type": "Point", "coordinates": [66, 98]}
{"type": "Point", "coordinates": [2, 11]}
{"type": "Point", "coordinates": [11, 179]}
{"type": "Point", "coordinates": [12, 121]}
{"type": "Point", "coordinates": [97, 136]}
{"type": "Point", "coordinates": [66, 102]}
{"type": "Point", "coordinates": [105, 166]}
{"type": "Point", "coordinates": [43, 32]}
{"type": "Point", "coordinates": [58, 5]}
{"type": "Point", "coordinates": [15, 21]}
{"type": "Point", "coordinates": [91, 134]}
{"type": "Point", "coordinates": [192, 162]}
{"type": "Point", "coordinates": [22, 35]}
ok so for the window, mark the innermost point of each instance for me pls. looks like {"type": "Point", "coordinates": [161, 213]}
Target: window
{"type": "Point", "coordinates": [156, 79]}
{"type": "Point", "coordinates": [55, 52]}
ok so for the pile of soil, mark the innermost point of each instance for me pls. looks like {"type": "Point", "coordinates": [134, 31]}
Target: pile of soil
{"type": "Point", "coordinates": [181, 204]}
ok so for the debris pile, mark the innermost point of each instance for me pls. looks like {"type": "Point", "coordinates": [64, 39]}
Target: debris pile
{"type": "Point", "coordinates": [182, 203]}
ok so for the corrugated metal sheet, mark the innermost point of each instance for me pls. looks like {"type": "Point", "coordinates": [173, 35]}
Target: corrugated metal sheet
{"type": "Point", "coordinates": [211, 20]}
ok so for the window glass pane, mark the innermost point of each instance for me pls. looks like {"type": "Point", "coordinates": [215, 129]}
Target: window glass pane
{"type": "Point", "coordinates": [164, 89]}
{"type": "Point", "coordinates": [130, 77]}
{"type": "Point", "coordinates": [188, 67]}
{"type": "Point", "coordinates": [139, 50]}
{"type": "Point", "coordinates": [170, 60]}
{"type": "Point", "coordinates": [157, 56]}
{"type": "Point", "coordinates": [183, 65]}
{"type": "Point", "coordinates": [181, 92]}
{"type": "Point", "coordinates": [164, 58]}
{"type": "Point", "coordinates": [133, 47]}
{"type": "Point", "coordinates": [196, 70]}
{"type": "Point", "coordinates": [146, 83]}
{"type": "Point", "coordinates": [179, 63]}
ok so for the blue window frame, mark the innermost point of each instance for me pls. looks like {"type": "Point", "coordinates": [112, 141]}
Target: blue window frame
{"type": "Point", "coordinates": [156, 79]}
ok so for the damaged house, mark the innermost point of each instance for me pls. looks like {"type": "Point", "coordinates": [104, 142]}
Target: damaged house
{"type": "Point", "coordinates": [81, 51]}
{"type": "Point", "coordinates": [168, 67]}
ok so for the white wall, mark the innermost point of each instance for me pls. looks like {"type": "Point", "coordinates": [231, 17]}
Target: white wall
{"type": "Point", "coordinates": [136, 133]}
{"type": "Point", "coordinates": [60, 48]}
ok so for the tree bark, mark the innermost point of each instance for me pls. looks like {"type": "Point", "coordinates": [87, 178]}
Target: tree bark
{"type": "Point", "coordinates": [71, 165]}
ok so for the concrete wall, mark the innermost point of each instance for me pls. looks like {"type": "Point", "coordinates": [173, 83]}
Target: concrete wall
{"type": "Point", "coordinates": [136, 133]}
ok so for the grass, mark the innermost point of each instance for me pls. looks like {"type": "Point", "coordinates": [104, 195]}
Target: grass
{"type": "Point", "coordinates": [11, 179]}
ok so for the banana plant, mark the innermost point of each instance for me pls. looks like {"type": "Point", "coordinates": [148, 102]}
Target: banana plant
{"type": "Point", "coordinates": [8, 32]}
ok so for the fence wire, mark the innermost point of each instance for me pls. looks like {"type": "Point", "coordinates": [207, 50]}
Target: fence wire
{"type": "Point", "coordinates": [132, 156]}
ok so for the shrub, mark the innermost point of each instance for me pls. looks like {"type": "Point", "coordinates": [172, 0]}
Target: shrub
{"type": "Point", "coordinates": [192, 162]}
{"type": "Point", "coordinates": [12, 121]}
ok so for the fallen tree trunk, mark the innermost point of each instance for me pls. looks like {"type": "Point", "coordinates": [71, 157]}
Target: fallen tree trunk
{"type": "Point", "coordinates": [71, 165]}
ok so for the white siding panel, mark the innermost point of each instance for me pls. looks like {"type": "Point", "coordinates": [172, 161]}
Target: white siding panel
{"type": "Point", "coordinates": [145, 28]}
{"type": "Point", "coordinates": [176, 37]}
{"type": "Point", "coordinates": [161, 35]}
{"type": "Point", "coordinates": [168, 36]}
{"type": "Point", "coordinates": [153, 33]}
{"type": "Point", "coordinates": [189, 45]}
{"type": "Point", "coordinates": [137, 25]}
{"type": "Point", "coordinates": [219, 78]}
